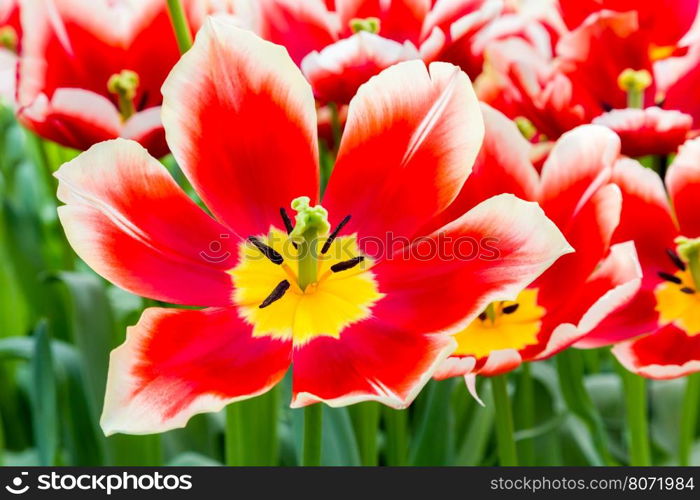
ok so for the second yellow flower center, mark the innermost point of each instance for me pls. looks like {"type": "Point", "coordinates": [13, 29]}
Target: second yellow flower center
{"type": "Point", "coordinates": [506, 325]}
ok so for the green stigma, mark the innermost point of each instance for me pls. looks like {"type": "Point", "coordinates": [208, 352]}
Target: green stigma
{"type": "Point", "coordinates": [9, 38]}
{"type": "Point", "coordinates": [310, 221]}
{"type": "Point", "coordinates": [124, 85]}
{"type": "Point", "coordinates": [369, 24]}
{"type": "Point", "coordinates": [634, 83]}
{"type": "Point", "coordinates": [526, 128]}
{"type": "Point", "coordinates": [689, 251]}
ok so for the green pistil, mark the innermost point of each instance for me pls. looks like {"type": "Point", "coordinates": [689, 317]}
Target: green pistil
{"type": "Point", "coordinates": [8, 38]}
{"type": "Point", "coordinates": [124, 85]}
{"type": "Point", "coordinates": [491, 313]}
{"type": "Point", "coordinates": [634, 83]}
{"type": "Point", "coordinates": [369, 24]}
{"type": "Point", "coordinates": [311, 224]}
{"type": "Point", "coordinates": [689, 252]}
{"type": "Point", "coordinates": [526, 128]}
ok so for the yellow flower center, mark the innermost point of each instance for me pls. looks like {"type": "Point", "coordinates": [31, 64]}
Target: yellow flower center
{"type": "Point", "coordinates": [325, 307]}
{"type": "Point", "coordinates": [506, 325]}
{"type": "Point", "coordinates": [678, 302]}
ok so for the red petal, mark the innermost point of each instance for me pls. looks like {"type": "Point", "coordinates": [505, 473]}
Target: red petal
{"type": "Point", "coordinates": [146, 128]}
{"type": "Point", "coordinates": [241, 121]}
{"type": "Point", "coordinates": [649, 131]}
{"type": "Point", "coordinates": [406, 151]}
{"type": "Point", "coordinates": [578, 165]}
{"type": "Point", "coordinates": [338, 70]}
{"type": "Point", "coordinates": [645, 219]}
{"type": "Point", "coordinates": [444, 281]}
{"type": "Point", "coordinates": [497, 169]}
{"type": "Point", "coordinates": [646, 215]}
{"type": "Point", "coordinates": [74, 118]}
{"type": "Point", "coordinates": [666, 353]}
{"type": "Point", "coordinates": [576, 196]}
{"type": "Point", "coordinates": [683, 183]}
{"type": "Point", "coordinates": [301, 27]}
{"type": "Point", "coordinates": [128, 219]}
{"type": "Point", "coordinates": [614, 283]}
{"type": "Point", "coordinates": [678, 78]}
{"type": "Point", "coordinates": [595, 54]}
{"type": "Point", "coordinates": [400, 20]}
{"type": "Point", "coordinates": [666, 29]}
{"type": "Point", "coordinates": [178, 363]}
{"type": "Point", "coordinates": [590, 235]}
{"type": "Point", "coordinates": [372, 361]}
{"type": "Point", "coordinates": [73, 46]}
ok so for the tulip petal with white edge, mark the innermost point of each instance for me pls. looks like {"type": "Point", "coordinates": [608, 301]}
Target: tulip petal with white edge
{"type": "Point", "coordinates": [178, 363]}
{"type": "Point", "coordinates": [406, 151]}
{"type": "Point", "coordinates": [645, 219]}
{"type": "Point", "coordinates": [128, 219]}
{"type": "Point", "coordinates": [301, 27]}
{"type": "Point", "coordinates": [218, 106]}
{"type": "Point", "coordinates": [683, 183]}
{"type": "Point", "coordinates": [497, 169]}
{"type": "Point", "coordinates": [647, 131]}
{"type": "Point", "coordinates": [612, 285]}
{"type": "Point", "coordinates": [664, 354]}
{"type": "Point", "coordinates": [516, 244]}
{"type": "Point", "coordinates": [339, 69]}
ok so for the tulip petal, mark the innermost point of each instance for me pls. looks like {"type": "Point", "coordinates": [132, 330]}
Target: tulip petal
{"type": "Point", "coordinates": [240, 119]}
{"type": "Point", "coordinates": [647, 131]}
{"type": "Point", "coordinates": [611, 286]}
{"type": "Point", "coordinates": [146, 128]}
{"type": "Point", "coordinates": [578, 165]}
{"type": "Point", "coordinates": [406, 151]}
{"type": "Point", "coordinates": [645, 219]}
{"type": "Point", "coordinates": [301, 27]}
{"type": "Point", "coordinates": [400, 20]}
{"type": "Point", "coordinates": [178, 363]}
{"type": "Point", "coordinates": [664, 354]}
{"type": "Point", "coordinates": [442, 282]}
{"type": "Point", "coordinates": [497, 169]}
{"type": "Point", "coordinates": [128, 220]}
{"type": "Point", "coordinates": [339, 69]}
{"type": "Point", "coordinates": [75, 118]}
{"type": "Point", "coordinates": [683, 183]}
{"type": "Point", "coordinates": [646, 215]}
{"type": "Point", "coordinates": [371, 361]}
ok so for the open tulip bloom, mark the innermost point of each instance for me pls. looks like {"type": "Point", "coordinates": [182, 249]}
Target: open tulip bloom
{"type": "Point", "coordinates": [347, 289]}
{"type": "Point", "coordinates": [575, 190]}
{"type": "Point", "coordinates": [91, 74]}
{"type": "Point", "coordinates": [657, 334]}
{"type": "Point", "coordinates": [342, 46]}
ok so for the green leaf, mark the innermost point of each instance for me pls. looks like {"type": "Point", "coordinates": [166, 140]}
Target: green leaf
{"type": "Point", "coordinates": [44, 402]}
{"type": "Point", "coordinates": [432, 442]}
{"type": "Point", "coordinates": [191, 459]}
